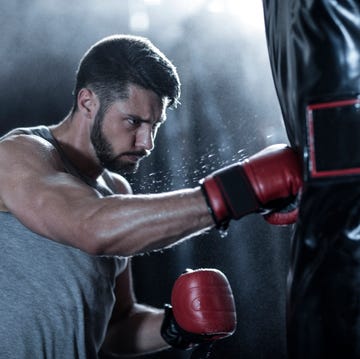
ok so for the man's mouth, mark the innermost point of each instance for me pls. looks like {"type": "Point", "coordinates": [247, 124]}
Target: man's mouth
{"type": "Point", "coordinates": [134, 156]}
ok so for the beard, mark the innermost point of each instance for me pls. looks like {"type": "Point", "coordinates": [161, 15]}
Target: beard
{"type": "Point", "coordinates": [105, 153]}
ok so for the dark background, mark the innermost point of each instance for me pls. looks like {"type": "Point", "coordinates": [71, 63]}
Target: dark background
{"type": "Point", "coordinates": [228, 111]}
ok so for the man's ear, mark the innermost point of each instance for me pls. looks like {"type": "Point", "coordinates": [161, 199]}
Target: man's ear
{"type": "Point", "coordinates": [88, 102]}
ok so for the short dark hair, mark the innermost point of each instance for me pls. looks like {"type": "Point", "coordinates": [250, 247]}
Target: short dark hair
{"type": "Point", "coordinates": [116, 61]}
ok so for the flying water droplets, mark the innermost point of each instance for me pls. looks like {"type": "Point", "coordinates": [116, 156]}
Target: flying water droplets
{"type": "Point", "coordinates": [223, 232]}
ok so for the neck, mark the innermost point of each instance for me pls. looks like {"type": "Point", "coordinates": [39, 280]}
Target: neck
{"type": "Point", "coordinates": [73, 135]}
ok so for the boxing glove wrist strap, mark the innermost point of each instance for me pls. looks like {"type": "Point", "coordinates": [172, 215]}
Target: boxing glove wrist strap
{"type": "Point", "coordinates": [216, 207]}
{"type": "Point", "coordinates": [229, 194]}
{"type": "Point", "coordinates": [175, 336]}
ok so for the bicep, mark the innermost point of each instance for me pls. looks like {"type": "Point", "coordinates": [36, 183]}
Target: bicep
{"type": "Point", "coordinates": [124, 294]}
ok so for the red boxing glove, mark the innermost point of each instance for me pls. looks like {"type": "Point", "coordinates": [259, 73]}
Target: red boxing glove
{"type": "Point", "coordinates": [202, 309]}
{"type": "Point", "coordinates": [267, 182]}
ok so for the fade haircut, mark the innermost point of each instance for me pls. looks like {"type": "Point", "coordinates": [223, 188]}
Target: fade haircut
{"type": "Point", "coordinates": [111, 64]}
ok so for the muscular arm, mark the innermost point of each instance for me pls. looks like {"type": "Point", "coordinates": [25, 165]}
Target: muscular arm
{"type": "Point", "coordinates": [134, 328]}
{"type": "Point", "coordinates": [36, 189]}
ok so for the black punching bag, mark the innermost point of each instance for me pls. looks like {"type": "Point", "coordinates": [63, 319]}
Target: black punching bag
{"type": "Point", "coordinates": [314, 50]}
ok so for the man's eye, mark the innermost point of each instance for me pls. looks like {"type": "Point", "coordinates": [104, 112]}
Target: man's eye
{"type": "Point", "coordinates": [133, 121]}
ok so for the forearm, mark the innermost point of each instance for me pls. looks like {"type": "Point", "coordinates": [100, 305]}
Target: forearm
{"type": "Point", "coordinates": [134, 224]}
{"type": "Point", "coordinates": [138, 333]}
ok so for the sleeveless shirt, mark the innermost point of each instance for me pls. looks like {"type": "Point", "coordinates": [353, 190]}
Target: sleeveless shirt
{"type": "Point", "coordinates": [55, 300]}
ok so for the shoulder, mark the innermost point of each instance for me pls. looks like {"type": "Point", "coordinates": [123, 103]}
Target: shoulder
{"type": "Point", "coordinates": [20, 132]}
{"type": "Point", "coordinates": [24, 160]}
{"type": "Point", "coordinates": [20, 145]}
{"type": "Point", "coordinates": [20, 139]}
{"type": "Point", "coordinates": [117, 182]}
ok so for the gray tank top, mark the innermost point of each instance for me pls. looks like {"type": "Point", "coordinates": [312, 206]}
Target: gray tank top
{"type": "Point", "coordinates": [55, 300]}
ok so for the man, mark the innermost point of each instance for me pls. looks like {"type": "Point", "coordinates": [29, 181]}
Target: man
{"type": "Point", "coordinates": [70, 223]}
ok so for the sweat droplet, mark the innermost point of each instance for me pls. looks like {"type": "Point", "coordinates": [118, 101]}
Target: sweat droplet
{"type": "Point", "coordinates": [223, 233]}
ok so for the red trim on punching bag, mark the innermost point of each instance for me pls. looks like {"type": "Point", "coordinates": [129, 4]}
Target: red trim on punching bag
{"type": "Point", "coordinates": [315, 172]}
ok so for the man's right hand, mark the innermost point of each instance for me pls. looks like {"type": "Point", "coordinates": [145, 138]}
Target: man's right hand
{"type": "Point", "coordinates": [266, 183]}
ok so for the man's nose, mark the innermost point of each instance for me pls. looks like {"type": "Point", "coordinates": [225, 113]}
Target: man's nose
{"type": "Point", "coordinates": [145, 138]}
